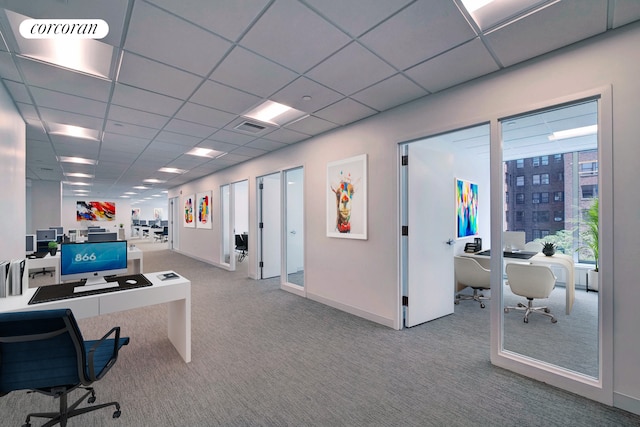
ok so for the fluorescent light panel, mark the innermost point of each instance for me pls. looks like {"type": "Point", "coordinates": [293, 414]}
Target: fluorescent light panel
{"type": "Point", "coordinates": [78, 175]}
{"type": "Point", "coordinates": [77, 160]}
{"type": "Point", "coordinates": [204, 152]}
{"type": "Point", "coordinates": [73, 131]}
{"type": "Point", "coordinates": [275, 113]}
{"type": "Point", "coordinates": [171, 170]}
{"type": "Point", "coordinates": [153, 181]}
{"type": "Point", "coordinates": [573, 133]}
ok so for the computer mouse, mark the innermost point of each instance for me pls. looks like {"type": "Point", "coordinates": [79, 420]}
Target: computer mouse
{"type": "Point", "coordinates": [131, 281]}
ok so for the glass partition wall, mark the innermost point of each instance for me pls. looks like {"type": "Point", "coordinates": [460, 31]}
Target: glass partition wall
{"type": "Point", "coordinates": [550, 162]}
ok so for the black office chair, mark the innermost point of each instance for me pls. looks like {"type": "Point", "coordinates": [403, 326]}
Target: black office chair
{"type": "Point", "coordinates": [241, 247]}
{"type": "Point", "coordinates": [163, 235]}
{"type": "Point", "coordinates": [44, 351]}
{"type": "Point", "coordinates": [42, 250]}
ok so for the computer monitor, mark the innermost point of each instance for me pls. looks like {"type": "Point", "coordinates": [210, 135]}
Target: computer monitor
{"type": "Point", "coordinates": [513, 240]}
{"type": "Point", "coordinates": [31, 243]}
{"type": "Point", "coordinates": [136, 222]}
{"type": "Point", "coordinates": [46, 235]}
{"type": "Point", "coordinates": [143, 222]}
{"type": "Point", "coordinates": [164, 223]}
{"type": "Point", "coordinates": [102, 237]}
{"type": "Point", "coordinates": [92, 261]}
{"type": "Point", "coordinates": [59, 230]}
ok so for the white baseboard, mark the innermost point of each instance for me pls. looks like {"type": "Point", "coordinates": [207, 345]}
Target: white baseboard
{"type": "Point", "coordinates": [627, 403]}
{"type": "Point", "coordinates": [352, 310]}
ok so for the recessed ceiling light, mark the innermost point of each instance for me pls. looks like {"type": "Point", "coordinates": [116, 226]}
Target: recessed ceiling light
{"type": "Point", "coordinates": [77, 160]}
{"type": "Point", "coordinates": [575, 132]}
{"type": "Point", "coordinates": [124, 197]}
{"type": "Point", "coordinates": [78, 175]}
{"type": "Point", "coordinates": [156, 195]}
{"type": "Point", "coordinates": [473, 5]}
{"type": "Point", "coordinates": [130, 192]}
{"type": "Point", "coordinates": [275, 114]}
{"type": "Point", "coordinates": [165, 191]}
{"type": "Point", "coordinates": [76, 183]}
{"type": "Point", "coordinates": [306, 98]}
{"type": "Point", "coordinates": [141, 187]}
{"type": "Point", "coordinates": [73, 131]}
{"type": "Point", "coordinates": [204, 152]}
{"type": "Point", "coordinates": [85, 55]}
{"type": "Point", "coordinates": [171, 170]}
{"type": "Point", "coordinates": [153, 181]}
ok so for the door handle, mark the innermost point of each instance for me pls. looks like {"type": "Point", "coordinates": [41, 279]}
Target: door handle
{"type": "Point", "coordinates": [450, 242]}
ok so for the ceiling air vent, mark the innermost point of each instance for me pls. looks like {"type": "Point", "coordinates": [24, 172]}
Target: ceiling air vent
{"type": "Point", "coordinates": [250, 127]}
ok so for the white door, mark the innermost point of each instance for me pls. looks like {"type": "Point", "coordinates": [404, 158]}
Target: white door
{"type": "Point", "coordinates": [430, 208]}
{"type": "Point", "coordinates": [270, 250]}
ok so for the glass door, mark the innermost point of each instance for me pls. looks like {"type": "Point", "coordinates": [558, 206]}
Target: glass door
{"type": "Point", "coordinates": [294, 227]}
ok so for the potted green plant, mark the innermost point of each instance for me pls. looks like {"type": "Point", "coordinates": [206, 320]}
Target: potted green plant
{"type": "Point", "coordinates": [548, 248]}
{"type": "Point", "coordinates": [53, 247]}
{"type": "Point", "coordinates": [591, 242]}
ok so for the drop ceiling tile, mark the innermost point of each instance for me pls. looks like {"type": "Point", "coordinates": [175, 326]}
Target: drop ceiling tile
{"type": "Point", "coordinates": [189, 128]}
{"type": "Point", "coordinates": [18, 91]}
{"type": "Point", "coordinates": [177, 139]}
{"type": "Point", "coordinates": [266, 145]}
{"type": "Point", "coordinates": [227, 18]}
{"type": "Point", "coordinates": [181, 47]}
{"type": "Point", "coordinates": [36, 133]}
{"type": "Point", "coordinates": [421, 31]}
{"type": "Point", "coordinates": [248, 151]}
{"type": "Point", "coordinates": [28, 111]}
{"type": "Point", "coordinates": [234, 158]}
{"type": "Point", "coordinates": [155, 77]}
{"type": "Point", "coordinates": [345, 70]}
{"type": "Point", "coordinates": [8, 68]}
{"type": "Point", "coordinates": [390, 93]}
{"type": "Point", "coordinates": [218, 145]}
{"type": "Point", "coordinates": [458, 65]}
{"type": "Point", "coordinates": [286, 136]}
{"type": "Point", "coordinates": [321, 96]}
{"type": "Point", "coordinates": [252, 73]}
{"type": "Point", "coordinates": [139, 99]}
{"type": "Point", "coordinates": [204, 115]}
{"type": "Point", "coordinates": [312, 126]}
{"type": "Point", "coordinates": [50, 115]}
{"type": "Point", "coordinates": [129, 129]}
{"type": "Point", "coordinates": [295, 44]}
{"type": "Point", "coordinates": [66, 102]}
{"type": "Point", "coordinates": [129, 115]}
{"type": "Point", "coordinates": [231, 137]}
{"type": "Point", "coordinates": [123, 143]}
{"type": "Point", "coordinates": [357, 16]}
{"type": "Point", "coordinates": [188, 162]}
{"type": "Point", "coordinates": [345, 111]}
{"type": "Point", "coordinates": [166, 149]}
{"type": "Point", "coordinates": [555, 26]}
{"type": "Point", "coordinates": [225, 98]}
{"type": "Point", "coordinates": [63, 80]}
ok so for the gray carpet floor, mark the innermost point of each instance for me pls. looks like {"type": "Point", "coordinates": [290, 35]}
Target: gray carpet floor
{"type": "Point", "coordinates": [265, 357]}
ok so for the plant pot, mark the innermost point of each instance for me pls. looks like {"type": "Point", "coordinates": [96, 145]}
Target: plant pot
{"type": "Point", "coordinates": [592, 281]}
{"type": "Point", "coordinates": [548, 252]}
{"type": "Point", "coordinates": [53, 251]}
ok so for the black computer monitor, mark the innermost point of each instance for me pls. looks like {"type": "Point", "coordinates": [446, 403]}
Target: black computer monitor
{"type": "Point", "coordinates": [102, 237]}
{"type": "Point", "coordinates": [164, 223]}
{"type": "Point", "coordinates": [47, 235]}
{"type": "Point", "coordinates": [143, 222]}
{"type": "Point", "coordinates": [59, 230]}
{"type": "Point", "coordinates": [31, 243]}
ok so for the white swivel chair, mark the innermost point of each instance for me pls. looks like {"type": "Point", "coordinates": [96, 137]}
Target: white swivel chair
{"type": "Point", "coordinates": [530, 281]}
{"type": "Point", "coordinates": [470, 273]}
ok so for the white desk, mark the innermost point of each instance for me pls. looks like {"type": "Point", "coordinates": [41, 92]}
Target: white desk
{"type": "Point", "coordinates": [53, 262]}
{"type": "Point", "coordinates": [560, 260]}
{"type": "Point", "coordinates": [175, 292]}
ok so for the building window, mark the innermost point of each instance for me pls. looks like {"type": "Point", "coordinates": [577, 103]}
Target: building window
{"type": "Point", "coordinates": [506, 197]}
{"type": "Point", "coordinates": [558, 196]}
{"type": "Point", "coordinates": [519, 215]}
{"type": "Point", "coordinates": [535, 161]}
{"type": "Point", "coordinates": [535, 198]}
{"type": "Point", "coordinates": [589, 191]}
{"type": "Point", "coordinates": [520, 163]}
{"type": "Point", "coordinates": [558, 216]}
{"type": "Point", "coordinates": [588, 168]}
{"type": "Point", "coordinates": [557, 158]}
{"type": "Point", "coordinates": [544, 178]}
{"type": "Point", "coordinates": [520, 198]}
{"type": "Point", "coordinates": [544, 197]}
{"type": "Point", "coordinates": [540, 216]}
{"type": "Point", "coordinates": [536, 234]}
{"type": "Point", "coordinates": [520, 181]}
{"type": "Point", "coordinates": [535, 180]}
{"type": "Point", "coordinates": [560, 176]}
{"type": "Point", "coordinates": [544, 233]}
{"type": "Point", "coordinates": [544, 160]}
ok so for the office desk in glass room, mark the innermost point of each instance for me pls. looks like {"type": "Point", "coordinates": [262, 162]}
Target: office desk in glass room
{"type": "Point", "coordinates": [557, 260]}
{"type": "Point", "coordinates": [176, 293]}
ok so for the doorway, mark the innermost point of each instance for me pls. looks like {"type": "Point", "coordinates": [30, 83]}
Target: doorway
{"type": "Point", "coordinates": [269, 225]}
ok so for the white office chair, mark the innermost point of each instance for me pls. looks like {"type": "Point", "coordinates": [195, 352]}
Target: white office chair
{"type": "Point", "coordinates": [470, 273]}
{"type": "Point", "coordinates": [530, 281]}
{"type": "Point", "coordinates": [533, 247]}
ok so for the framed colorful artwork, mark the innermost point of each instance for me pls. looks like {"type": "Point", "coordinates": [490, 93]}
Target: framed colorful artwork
{"type": "Point", "coordinates": [135, 213]}
{"type": "Point", "coordinates": [203, 210]}
{"type": "Point", "coordinates": [157, 213]}
{"type": "Point", "coordinates": [347, 198]}
{"type": "Point", "coordinates": [188, 217]}
{"type": "Point", "coordinates": [466, 208]}
{"type": "Point", "coordinates": [95, 211]}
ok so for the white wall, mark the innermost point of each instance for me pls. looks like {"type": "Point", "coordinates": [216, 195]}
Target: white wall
{"type": "Point", "coordinates": [46, 203]}
{"type": "Point", "coordinates": [368, 283]}
{"type": "Point", "coordinates": [13, 188]}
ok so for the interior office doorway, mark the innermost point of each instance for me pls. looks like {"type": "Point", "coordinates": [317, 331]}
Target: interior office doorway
{"type": "Point", "coordinates": [174, 223]}
{"type": "Point", "coordinates": [428, 212]}
{"type": "Point", "coordinates": [293, 239]}
{"type": "Point", "coordinates": [269, 225]}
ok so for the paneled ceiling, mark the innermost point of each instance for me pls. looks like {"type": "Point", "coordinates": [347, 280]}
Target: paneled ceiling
{"type": "Point", "coordinates": [181, 74]}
